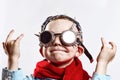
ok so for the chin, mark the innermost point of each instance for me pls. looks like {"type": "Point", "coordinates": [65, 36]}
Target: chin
{"type": "Point", "coordinates": [62, 63]}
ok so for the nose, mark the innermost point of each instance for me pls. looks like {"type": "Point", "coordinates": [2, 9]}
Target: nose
{"type": "Point", "coordinates": [57, 41]}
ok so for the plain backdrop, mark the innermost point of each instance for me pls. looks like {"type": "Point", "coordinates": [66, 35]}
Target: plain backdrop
{"type": "Point", "coordinates": [98, 18]}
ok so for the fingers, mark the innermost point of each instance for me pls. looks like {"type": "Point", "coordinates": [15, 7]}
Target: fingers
{"type": "Point", "coordinates": [114, 47]}
{"type": "Point", "coordinates": [9, 35]}
{"type": "Point", "coordinates": [112, 44]}
{"type": "Point", "coordinates": [9, 40]}
{"type": "Point", "coordinates": [103, 42]}
{"type": "Point", "coordinates": [4, 46]}
{"type": "Point", "coordinates": [17, 41]}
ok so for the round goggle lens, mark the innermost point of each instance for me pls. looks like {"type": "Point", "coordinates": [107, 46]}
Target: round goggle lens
{"type": "Point", "coordinates": [45, 37]}
{"type": "Point", "coordinates": [69, 37]}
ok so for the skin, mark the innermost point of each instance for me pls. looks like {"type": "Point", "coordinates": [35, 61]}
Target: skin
{"type": "Point", "coordinates": [12, 50]}
{"type": "Point", "coordinates": [105, 56]}
{"type": "Point", "coordinates": [59, 55]}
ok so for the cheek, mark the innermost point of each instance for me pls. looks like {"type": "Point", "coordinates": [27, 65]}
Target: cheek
{"type": "Point", "coordinates": [46, 52]}
{"type": "Point", "coordinates": [72, 49]}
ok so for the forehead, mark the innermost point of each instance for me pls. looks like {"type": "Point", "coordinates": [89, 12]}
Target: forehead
{"type": "Point", "coordinates": [59, 25]}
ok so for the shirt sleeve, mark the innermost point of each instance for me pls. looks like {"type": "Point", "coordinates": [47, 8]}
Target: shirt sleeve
{"type": "Point", "coordinates": [100, 77]}
{"type": "Point", "coordinates": [18, 75]}
{"type": "Point", "coordinates": [14, 75]}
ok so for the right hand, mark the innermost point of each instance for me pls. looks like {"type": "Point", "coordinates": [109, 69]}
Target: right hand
{"type": "Point", "coordinates": [12, 47]}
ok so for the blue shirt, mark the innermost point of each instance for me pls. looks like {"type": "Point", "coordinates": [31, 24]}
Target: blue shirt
{"type": "Point", "coordinates": [18, 75]}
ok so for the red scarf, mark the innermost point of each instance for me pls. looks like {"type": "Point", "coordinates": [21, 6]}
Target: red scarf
{"type": "Point", "coordinates": [45, 69]}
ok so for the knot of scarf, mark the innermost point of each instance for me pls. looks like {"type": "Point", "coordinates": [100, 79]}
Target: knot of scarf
{"type": "Point", "coordinates": [74, 71]}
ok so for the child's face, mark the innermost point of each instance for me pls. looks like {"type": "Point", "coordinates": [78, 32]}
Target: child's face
{"type": "Point", "coordinates": [57, 52]}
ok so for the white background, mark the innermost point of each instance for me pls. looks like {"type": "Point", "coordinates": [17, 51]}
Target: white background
{"type": "Point", "coordinates": [98, 18]}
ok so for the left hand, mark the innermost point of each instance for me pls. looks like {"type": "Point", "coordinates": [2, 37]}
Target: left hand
{"type": "Point", "coordinates": [106, 53]}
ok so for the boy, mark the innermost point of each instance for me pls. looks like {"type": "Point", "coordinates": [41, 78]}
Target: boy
{"type": "Point", "coordinates": [61, 45]}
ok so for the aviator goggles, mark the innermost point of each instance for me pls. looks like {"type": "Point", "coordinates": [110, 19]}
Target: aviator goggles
{"type": "Point", "coordinates": [66, 38]}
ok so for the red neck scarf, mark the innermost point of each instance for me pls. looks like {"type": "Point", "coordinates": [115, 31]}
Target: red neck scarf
{"type": "Point", "coordinates": [74, 71]}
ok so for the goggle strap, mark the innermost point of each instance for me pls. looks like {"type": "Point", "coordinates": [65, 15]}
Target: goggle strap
{"type": "Point", "coordinates": [37, 35]}
{"type": "Point", "coordinates": [87, 54]}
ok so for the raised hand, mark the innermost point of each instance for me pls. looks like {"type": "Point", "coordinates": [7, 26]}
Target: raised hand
{"type": "Point", "coordinates": [107, 53]}
{"type": "Point", "coordinates": [12, 49]}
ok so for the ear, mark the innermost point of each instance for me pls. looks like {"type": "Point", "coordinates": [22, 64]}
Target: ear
{"type": "Point", "coordinates": [80, 51]}
{"type": "Point", "coordinates": [41, 50]}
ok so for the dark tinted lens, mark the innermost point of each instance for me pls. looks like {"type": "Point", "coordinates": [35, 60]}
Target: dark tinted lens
{"type": "Point", "coordinates": [45, 37]}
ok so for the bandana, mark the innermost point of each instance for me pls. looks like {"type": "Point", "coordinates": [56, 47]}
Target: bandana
{"type": "Point", "coordinates": [74, 71]}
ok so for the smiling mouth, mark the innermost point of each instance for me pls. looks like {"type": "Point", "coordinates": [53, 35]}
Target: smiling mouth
{"type": "Point", "coordinates": [58, 50]}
